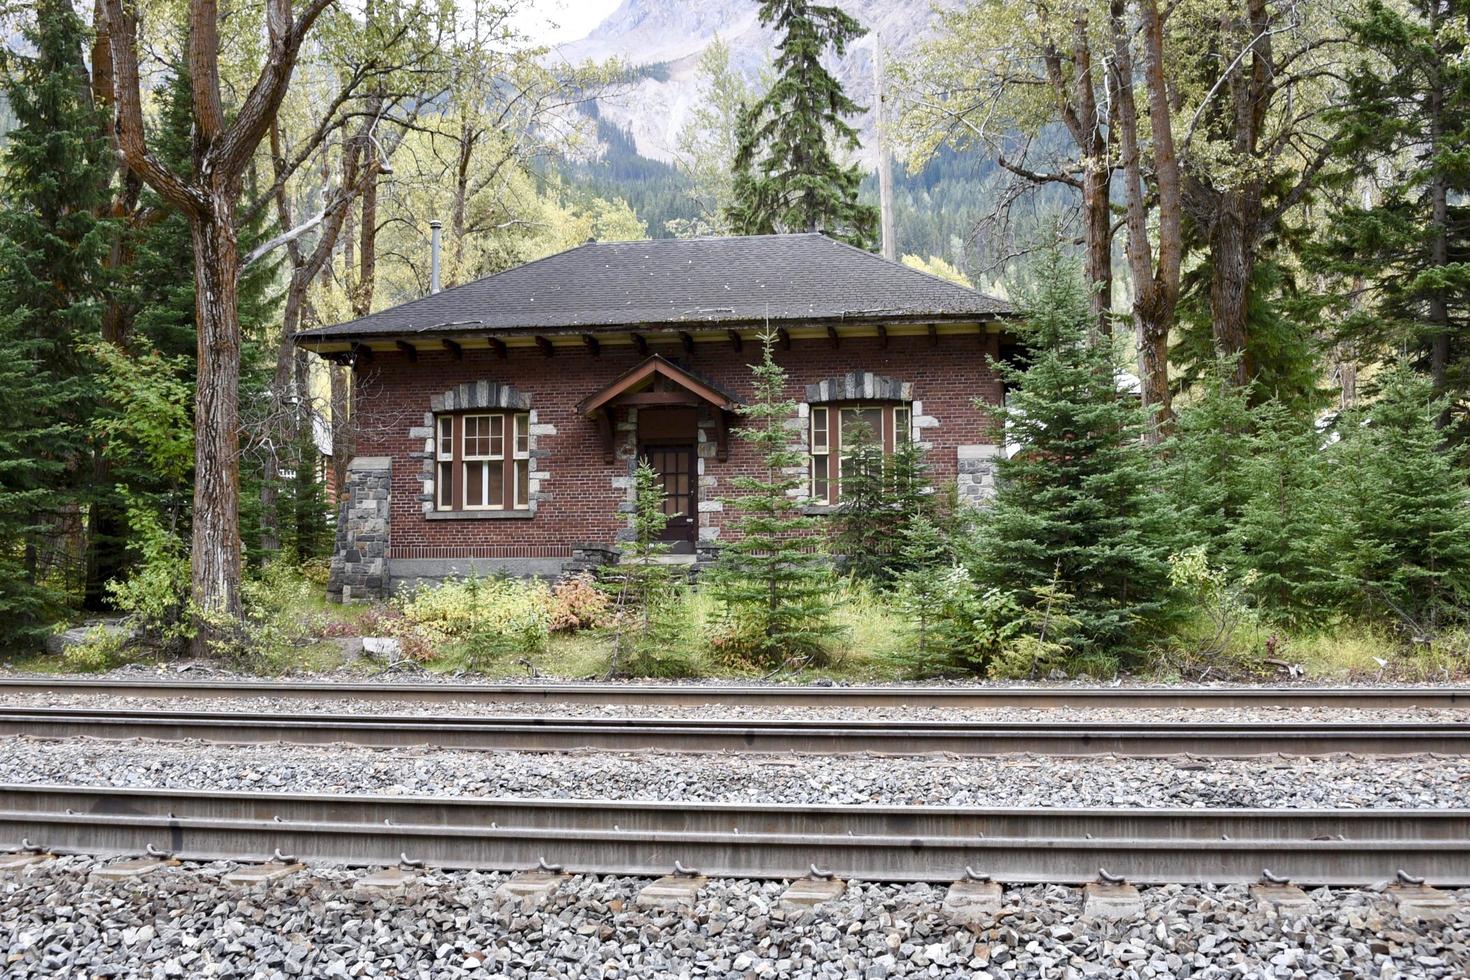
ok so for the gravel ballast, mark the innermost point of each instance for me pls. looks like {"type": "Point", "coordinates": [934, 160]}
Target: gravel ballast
{"type": "Point", "coordinates": [183, 922]}
{"type": "Point", "coordinates": [1334, 781]}
{"type": "Point", "coordinates": [1266, 715]}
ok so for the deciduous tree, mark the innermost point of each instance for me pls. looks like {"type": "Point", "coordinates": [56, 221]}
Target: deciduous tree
{"type": "Point", "coordinates": [224, 143]}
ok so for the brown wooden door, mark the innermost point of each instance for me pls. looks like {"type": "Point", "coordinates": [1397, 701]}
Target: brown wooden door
{"type": "Point", "coordinates": [678, 468]}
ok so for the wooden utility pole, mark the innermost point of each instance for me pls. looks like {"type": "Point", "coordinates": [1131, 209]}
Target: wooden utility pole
{"type": "Point", "coordinates": [885, 162]}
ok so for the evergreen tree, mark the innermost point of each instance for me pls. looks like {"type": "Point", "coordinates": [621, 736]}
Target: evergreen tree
{"type": "Point", "coordinates": [1400, 255]}
{"type": "Point", "coordinates": [787, 173]}
{"type": "Point", "coordinates": [53, 186]}
{"type": "Point", "coordinates": [1075, 513]}
{"type": "Point", "coordinates": [652, 626]}
{"type": "Point", "coordinates": [773, 577]}
{"type": "Point", "coordinates": [32, 420]}
{"type": "Point", "coordinates": [1206, 459]}
{"type": "Point", "coordinates": [925, 591]}
{"type": "Point", "coordinates": [1278, 528]}
{"type": "Point", "coordinates": [1404, 529]}
{"type": "Point", "coordinates": [866, 519]}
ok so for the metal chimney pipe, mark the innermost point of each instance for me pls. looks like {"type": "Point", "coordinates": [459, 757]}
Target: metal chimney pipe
{"type": "Point", "coordinates": [435, 227]}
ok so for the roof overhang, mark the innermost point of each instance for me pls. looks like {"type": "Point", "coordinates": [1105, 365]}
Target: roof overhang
{"type": "Point", "coordinates": [466, 336]}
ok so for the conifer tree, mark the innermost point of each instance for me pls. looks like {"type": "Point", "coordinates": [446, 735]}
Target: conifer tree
{"type": "Point", "coordinates": [924, 594]}
{"type": "Point", "coordinates": [1207, 456]}
{"type": "Point", "coordinates": [1404, 529]}
{"type": "Point", "coordinates": [866, 518]}
{"type": "Point", "coordinates": [32, 421]}
{"type": "Point", "coordinates": [1399, 256]}
{"type": "Point", "coordinates": [53, 185]}
{"type": "Point", "coordinates": [652, 630]}
{"type": "Point", "coordinates": [1074, 511]}
{"type": "Point", "coordinates": [773, 577]}
{"type": "Point", "coordinates": [1278, 527]}
{"type": "Point", "coordinates": [787, 173]}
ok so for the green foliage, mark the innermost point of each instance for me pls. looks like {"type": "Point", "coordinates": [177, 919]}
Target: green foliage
{"type": "Point", "coordinates": [653, 630]}
{"type": "Point", "coordinates": [1395, 257]}
{"type": "Point", "coordinates": [787, 173]}
{"type": "Point", "coordinates": [102, 650]}
{"type": "Point", "coordinates": [30, 423]}
{"type": "Point", "coordinates": [1206, 456]}
{"type": "Point", "coordinates": [1401, 527]}
{"type": "Point", "coordinates": [1076, 509]}
{"type": "Point", "coordinates": [1279, 528]}
{"type": "Point", "coordinates": [867, 520]}
{"type": "Point", "coordinates": [938, 598]}
{"type": "Point", "coordinates": [1219, 602]}
{"type": "Point", "coordinates": [54, 177]}
{"type": "Point", "coordinates": [1282, 347]}
{"type": "Point", "coordinates": [491, 618]}
{"type": "Point", "coordinates": [155, 593]}
{"type": "Point", "coordinates": [1051, 639]}
{"type": "Point", "coordinates": [773, 578]}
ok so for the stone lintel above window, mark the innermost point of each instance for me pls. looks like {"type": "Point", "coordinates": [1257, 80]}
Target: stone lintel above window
{"type": "Point", "coordinates": [859, 386]}
{"type": "Point", "coordinates": [480, 394]}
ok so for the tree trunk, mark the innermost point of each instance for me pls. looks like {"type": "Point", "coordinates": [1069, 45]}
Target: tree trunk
{"type": "Point", "coordinates": [1439, 256]}
{"type": "Point", "coordinates": [1232, 260]}
{"type": "Point", "coordinates": [215, 552]}
{"type": "Point", "coordinates": [342, 442]}
{"type": "Point", "coordinates": [1097, 242]}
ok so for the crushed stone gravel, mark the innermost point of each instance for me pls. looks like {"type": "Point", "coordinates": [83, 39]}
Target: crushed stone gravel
{"type": "Point", "coordinates": [56, 921]}
{"type": "Point", "coordinates": [1022, 780]}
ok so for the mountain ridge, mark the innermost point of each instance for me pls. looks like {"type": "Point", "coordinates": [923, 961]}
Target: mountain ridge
{"type": "Point", "coordinates": [675, 33]}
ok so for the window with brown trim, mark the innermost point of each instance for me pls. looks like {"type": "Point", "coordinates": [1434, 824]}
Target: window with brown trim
{"type": "Point", "coordinates": [889, 422]}
{"type": "Point", "coordinates": [482, 461]}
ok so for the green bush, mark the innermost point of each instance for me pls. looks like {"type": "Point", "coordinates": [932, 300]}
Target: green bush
{"type": "Point", "coordinates": [489, 617]}
{"type": "Point", "coordinates": [102, 650]}
{"type": "Point", "coordinates": [155, 595]}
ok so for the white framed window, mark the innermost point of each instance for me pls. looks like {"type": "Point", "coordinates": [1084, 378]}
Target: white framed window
{"type": "Point", "coordinates": [482, 461]}
{"type": "Point", "coordinates": [834, 429]}
{"type": "Point", "coordinates": [821, 465]}
{"type": "Point", "coordinates": [521, 461]}
{"type": "Point", "coordinates": [444, 462]}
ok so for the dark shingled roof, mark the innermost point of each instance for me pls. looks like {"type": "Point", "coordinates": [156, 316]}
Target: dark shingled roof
{"type": "Point", "coordinates": [716, 281]}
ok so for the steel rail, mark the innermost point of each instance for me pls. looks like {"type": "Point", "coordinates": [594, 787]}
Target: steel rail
{"type": "Point", "coordinates": [587, 836]}
{"type": "Point", "coordinates": [757, 695]}
{"type": "Point", "coordinates": [556, 733]}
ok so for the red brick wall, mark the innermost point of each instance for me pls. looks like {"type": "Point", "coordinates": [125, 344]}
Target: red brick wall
{"type": "Point", "coordinates": [393, 394]}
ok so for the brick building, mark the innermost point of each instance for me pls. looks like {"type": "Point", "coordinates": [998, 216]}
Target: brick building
{"type": "Point", "coordinates": [498, 423]}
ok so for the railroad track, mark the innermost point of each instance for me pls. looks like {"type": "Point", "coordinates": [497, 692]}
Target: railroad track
{"type": "Point", "coordinates": [540, 734]}
{"type": "Point", "coordinates": [654, 695]}
{"type": "Point", "coordinates": [1329, 847]}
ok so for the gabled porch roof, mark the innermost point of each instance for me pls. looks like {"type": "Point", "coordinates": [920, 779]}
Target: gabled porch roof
{"type": "Point", "coordinates": [657, 383]}
{"type": "Point", "coordinates": [639, 386]}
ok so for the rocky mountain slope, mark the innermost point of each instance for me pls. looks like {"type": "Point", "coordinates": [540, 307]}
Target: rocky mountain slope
{"type": "Point", "coordinates": [672, 34]}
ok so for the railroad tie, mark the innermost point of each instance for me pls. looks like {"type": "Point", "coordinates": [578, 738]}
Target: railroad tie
{"type": "Point", "coordinates": [973, 901]}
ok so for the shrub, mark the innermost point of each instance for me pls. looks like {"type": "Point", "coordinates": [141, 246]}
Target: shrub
{"type": "Point", "coordinates": [279, 621]}
{"type": "Point", "coordinates": [577, 604]}
{"type": "Point", "coordinates": [155, 596]}
{"type": "Point", "coordinates": [493, 617]}
{"type": "Point", "coordinates": [102, 650]}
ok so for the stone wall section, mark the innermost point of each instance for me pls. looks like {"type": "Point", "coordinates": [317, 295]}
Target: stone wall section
{"type": "Point", "coordinates": [359, 569]}
{"type": "Point", "coordinates": [976, 473]}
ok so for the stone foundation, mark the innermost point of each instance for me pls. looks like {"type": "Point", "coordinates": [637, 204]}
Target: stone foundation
{"type": "Point", "coordinates": [360, 560]}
